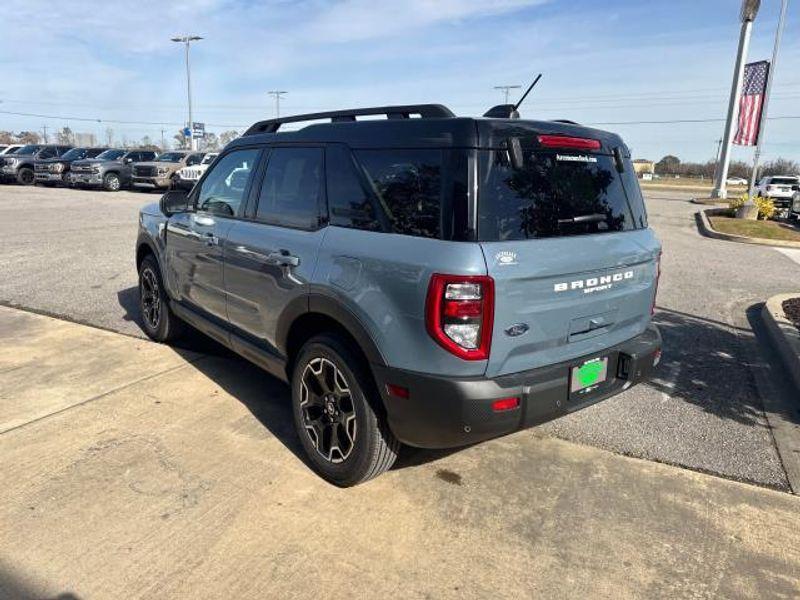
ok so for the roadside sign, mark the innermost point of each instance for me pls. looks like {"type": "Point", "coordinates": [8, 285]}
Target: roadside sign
{"type": "Point", "coordinates": [199, 130]}
{"type": "Point", "coordinates": [186, 132]}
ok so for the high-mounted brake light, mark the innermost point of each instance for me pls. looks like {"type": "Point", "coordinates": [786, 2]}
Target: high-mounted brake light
{"type": "Point", "coordinates": [459, 314]}
{"type": "Point", "coordinates": [565, 141]}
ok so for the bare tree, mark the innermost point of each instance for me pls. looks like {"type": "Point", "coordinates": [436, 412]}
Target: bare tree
{"type": "Point", "coordinates": [109, 136]}
{"type": "Point", "coordinates": [29, 137]}
{"type": "Point", "coordinates": [226, 137]}
{"type": "Point", "coordinates": [64, 136]}
{"type": "Point", "coordinates": [181, 141]}
{"type": "Point", "coordinates": [6, 137]}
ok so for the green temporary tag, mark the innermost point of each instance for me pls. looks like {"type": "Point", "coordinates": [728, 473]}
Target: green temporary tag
{"type": "Point", "coordinates": [589, 373]}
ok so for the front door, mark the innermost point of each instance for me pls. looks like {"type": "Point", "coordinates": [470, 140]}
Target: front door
{"type": "Point", "coordinates": [271, 257]}
{"type": "Point", "coordinates": [195, 240]}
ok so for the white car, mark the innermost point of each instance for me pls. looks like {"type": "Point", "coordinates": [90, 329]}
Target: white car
{"type": "Point", "coordinates": [188, 176]}
{"type": "Point", "coordinates": [794, 212]}
{"type": "Point", "coordinates": [777, 186]}
{"type": "Point", "coordinates": [736, 181]}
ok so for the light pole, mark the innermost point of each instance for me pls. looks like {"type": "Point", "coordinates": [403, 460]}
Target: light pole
{"type": "Point", "coordinates": [748, 15]}
{"type": "Point", "coordinates": [763, 124]}
{"type": "Point", "coordinates": [506, 89]}
{"type": "Point", "coordinates": [186, 40]}
{"type": "Point", "coordinates": [277, 94]}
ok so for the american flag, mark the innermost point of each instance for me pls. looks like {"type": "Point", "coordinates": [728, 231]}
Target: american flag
{"type": "Point", "coordinates": [753, 90]}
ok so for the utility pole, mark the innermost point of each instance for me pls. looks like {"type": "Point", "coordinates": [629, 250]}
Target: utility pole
{"type": "Point", "coordinates": [763, 123]}
{"type": "Point", "coordinates": [748, 15]}
{"type": "Point", "coordinates": [187, 40]}
{"type": "Point", "coordinates": [277, 94]}
{"type": "Point", "coordinates": [506, 89]}
{"type": "Point", "coordinates": [44, 130]}
{"type": "Point", "coordinates": [163, 144]}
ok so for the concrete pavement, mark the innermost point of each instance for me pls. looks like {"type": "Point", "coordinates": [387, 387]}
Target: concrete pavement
{"type": "Point", "coordinates": [138, 472]}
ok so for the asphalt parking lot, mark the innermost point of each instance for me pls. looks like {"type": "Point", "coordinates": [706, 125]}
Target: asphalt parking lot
{"type": "Point", "coordinates": [70, 253]}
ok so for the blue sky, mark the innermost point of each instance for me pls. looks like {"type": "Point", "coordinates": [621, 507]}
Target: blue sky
{"type": "Point", "coordinates": [604, 62]}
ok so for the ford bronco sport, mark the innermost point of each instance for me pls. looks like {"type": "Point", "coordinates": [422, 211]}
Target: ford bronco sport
{"type": "Point", "coordinates": [422, 279]}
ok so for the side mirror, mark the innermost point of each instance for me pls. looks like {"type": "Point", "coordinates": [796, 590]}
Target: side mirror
{"type": "Point", "coordinates": [128, 161]}
{"type": "Point", "coordinates": [174, 201]}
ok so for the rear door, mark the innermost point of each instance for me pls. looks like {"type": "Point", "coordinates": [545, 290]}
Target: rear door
{"type": "Point", "coordinates": [270, 257]}
{"type": "Point", "coordinates": [568, 246]}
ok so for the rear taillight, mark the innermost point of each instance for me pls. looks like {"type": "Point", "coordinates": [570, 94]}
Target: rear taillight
{"type": "Point", "coordinates": [658, 277]}
{"type": "Point", "coordinates": [565, 141]}
{"type": "Point", "coordinates": [459, 313]}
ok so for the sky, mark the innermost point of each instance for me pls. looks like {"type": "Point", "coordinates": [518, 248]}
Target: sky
{"type": "Point", "coordinates": [609, 63]}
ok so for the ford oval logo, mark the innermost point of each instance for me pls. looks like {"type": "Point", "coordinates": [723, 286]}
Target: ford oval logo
{"type": "Point", "coordinates": [517, 329]}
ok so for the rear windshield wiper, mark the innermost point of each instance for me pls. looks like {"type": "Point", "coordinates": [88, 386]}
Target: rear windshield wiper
{"type": "Point", "coordinates": [593, 218]}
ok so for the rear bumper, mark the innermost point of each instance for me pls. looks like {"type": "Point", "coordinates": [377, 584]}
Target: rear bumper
{"type": "Point", "coordinates": [444, 412]}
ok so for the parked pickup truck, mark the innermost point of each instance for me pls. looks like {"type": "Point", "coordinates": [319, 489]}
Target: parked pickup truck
{"type": "Point", "coordinates": [19, 166]}
{"type": "Point", "coordinates": [52, 171]}
{"type": "Point", "coordinates": [434, 281]}
{"type": "Point", "coordinates": [110, 170]}
{"type": "Point", "coordinates": [161, 172]}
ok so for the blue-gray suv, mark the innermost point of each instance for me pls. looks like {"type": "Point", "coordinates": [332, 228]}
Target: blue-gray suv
{"type": "Point", "coordinates": [419, 278]}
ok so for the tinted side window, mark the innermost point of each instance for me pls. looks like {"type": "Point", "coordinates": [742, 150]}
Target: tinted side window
{"type": "Point", "coordinates": [194, 159]}
{"type": "Point", "coordinates": [48, 152]}
{"type": "Point", "coordinates": [223, 190]}
{"type": "Point", "coordinates": [408, 185]}
{"type": "Point", "coordinates": [291, 188]}
{"type": "Point", "coordinates": [349, 204]}
{"type": "Point", "coordinates": [631, 184]}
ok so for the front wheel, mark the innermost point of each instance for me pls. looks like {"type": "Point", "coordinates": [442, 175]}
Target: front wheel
{"type": "Point", "coordinates": [111, 182]}
{"type": "Point", "coordinates": [158, 320]}
{"type": "Point", "coordinates": [25, 176]}
{"type": "Point", "coordinates": [337, 414]}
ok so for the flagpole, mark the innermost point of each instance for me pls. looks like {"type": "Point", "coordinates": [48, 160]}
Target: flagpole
{"type": "Point", "coordinates": [763, 121]}
{"type": "Point", "coordinates": [748, 15]}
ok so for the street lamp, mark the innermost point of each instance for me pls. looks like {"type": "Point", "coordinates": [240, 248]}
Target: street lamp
{"type": "Point", "coordinates": [747, 16]}
{"type": "Point", "coordinates": [186, 40]}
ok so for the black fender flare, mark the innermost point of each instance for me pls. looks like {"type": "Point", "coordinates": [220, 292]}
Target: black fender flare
{"type": "Point", "coordinates": [334, 309]}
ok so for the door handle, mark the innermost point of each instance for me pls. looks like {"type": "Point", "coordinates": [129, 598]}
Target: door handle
{"type": "Point", "coordinates": [283, 259]}
{"type": "Point", "coordinates": [211, 239]}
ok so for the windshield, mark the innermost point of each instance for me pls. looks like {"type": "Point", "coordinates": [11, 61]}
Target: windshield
{"type": "Point", "coordinates": [111, 155]}
{"type": "Point", "coordinates": [171, 157]}
{"type": "Point", "coordinates": [74, 154]}
{"type": "Point", "coordinates": [553, 194]}
{"type": "Point", "coordinates": [784, 181]}
{"type": "Point", "coordinates": [208, 158]}
{"type": "Point", "coordinates": [29, 149]}
{"type": "Point", "coordinates": [13, 150]}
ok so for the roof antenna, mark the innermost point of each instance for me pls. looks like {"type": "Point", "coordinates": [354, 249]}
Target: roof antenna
{"type": "Point", "coordinates": [509, 111]}
{"type": "Point", "coordinates": [525, 95]}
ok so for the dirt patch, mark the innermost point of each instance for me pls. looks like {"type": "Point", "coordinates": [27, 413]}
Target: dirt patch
{"type": "Point", "coordinates": [791, 308]}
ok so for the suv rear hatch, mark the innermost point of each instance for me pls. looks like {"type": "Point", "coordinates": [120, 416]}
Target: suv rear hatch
{"type": "Point", "coordinates": [563, 229]}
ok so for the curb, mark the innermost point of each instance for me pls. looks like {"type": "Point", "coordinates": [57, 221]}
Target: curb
{"type": "Point", "coordinates": [707, 202]}
{"type": "Point", "coordinates": [784, 335]}
{"type": "Point", "coordinates": [707, 230]}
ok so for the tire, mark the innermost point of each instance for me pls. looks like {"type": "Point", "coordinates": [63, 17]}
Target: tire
{"type": "Point", "coordinates": [158, 320]}
{"type": "Point", "coordinates": [349, 414]}
{"type": "Point", "coordinates": [112, 182]}
{"type": "Point", "coordinates": [25, 176]}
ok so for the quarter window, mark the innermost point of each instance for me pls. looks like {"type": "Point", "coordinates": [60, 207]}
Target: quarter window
{"type": "Point", "coordinates": [408, 185]}
{"type": "Point", "coordinates": [223, 189]}
{"type": "Point", "coordinates": [349, 204]}
{"type": "Point", "coordinates": [291, 188]}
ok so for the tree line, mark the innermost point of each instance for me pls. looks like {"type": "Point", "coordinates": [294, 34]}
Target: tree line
{"type": "Point", "coordinates": [65, 136]}
{"type": "Point", "coordinates": [672, 165]}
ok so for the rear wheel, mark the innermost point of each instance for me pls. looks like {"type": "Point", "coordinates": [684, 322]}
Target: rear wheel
{"type": "Point", "coordinates": [158, 320]}
{"type": "Point", "coordinates": [337, 414]}
{"type": "Point", "coordinates": [111, 182]}
{"type": "Point", "coordinates": [25, 176]}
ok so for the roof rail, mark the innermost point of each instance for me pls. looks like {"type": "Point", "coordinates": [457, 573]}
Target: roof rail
{"type": "Point", "coordinates": [425, 111]}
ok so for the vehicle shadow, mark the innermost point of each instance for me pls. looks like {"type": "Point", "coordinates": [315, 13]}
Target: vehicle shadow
{"type": "Point", "coordinates": [710, 364]}
{"type": "Point", "coordinates": [12, 586]}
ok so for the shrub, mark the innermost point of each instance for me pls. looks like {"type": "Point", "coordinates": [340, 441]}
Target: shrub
{"type": "Point", "coordinates": [766, 207]}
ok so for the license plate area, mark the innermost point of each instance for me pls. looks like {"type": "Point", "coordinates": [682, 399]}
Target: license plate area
{"type": "Point", "coordinates": [590, 376]}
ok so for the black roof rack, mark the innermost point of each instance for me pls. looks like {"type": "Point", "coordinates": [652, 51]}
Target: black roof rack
{"type": "Point", "coordinates": [425, 111]}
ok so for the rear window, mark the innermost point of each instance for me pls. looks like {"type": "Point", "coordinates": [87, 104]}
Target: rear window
{"type": "Point", "coordinates": [554, 193]}
{"type": "Point", "coordinates": [783, 181]}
